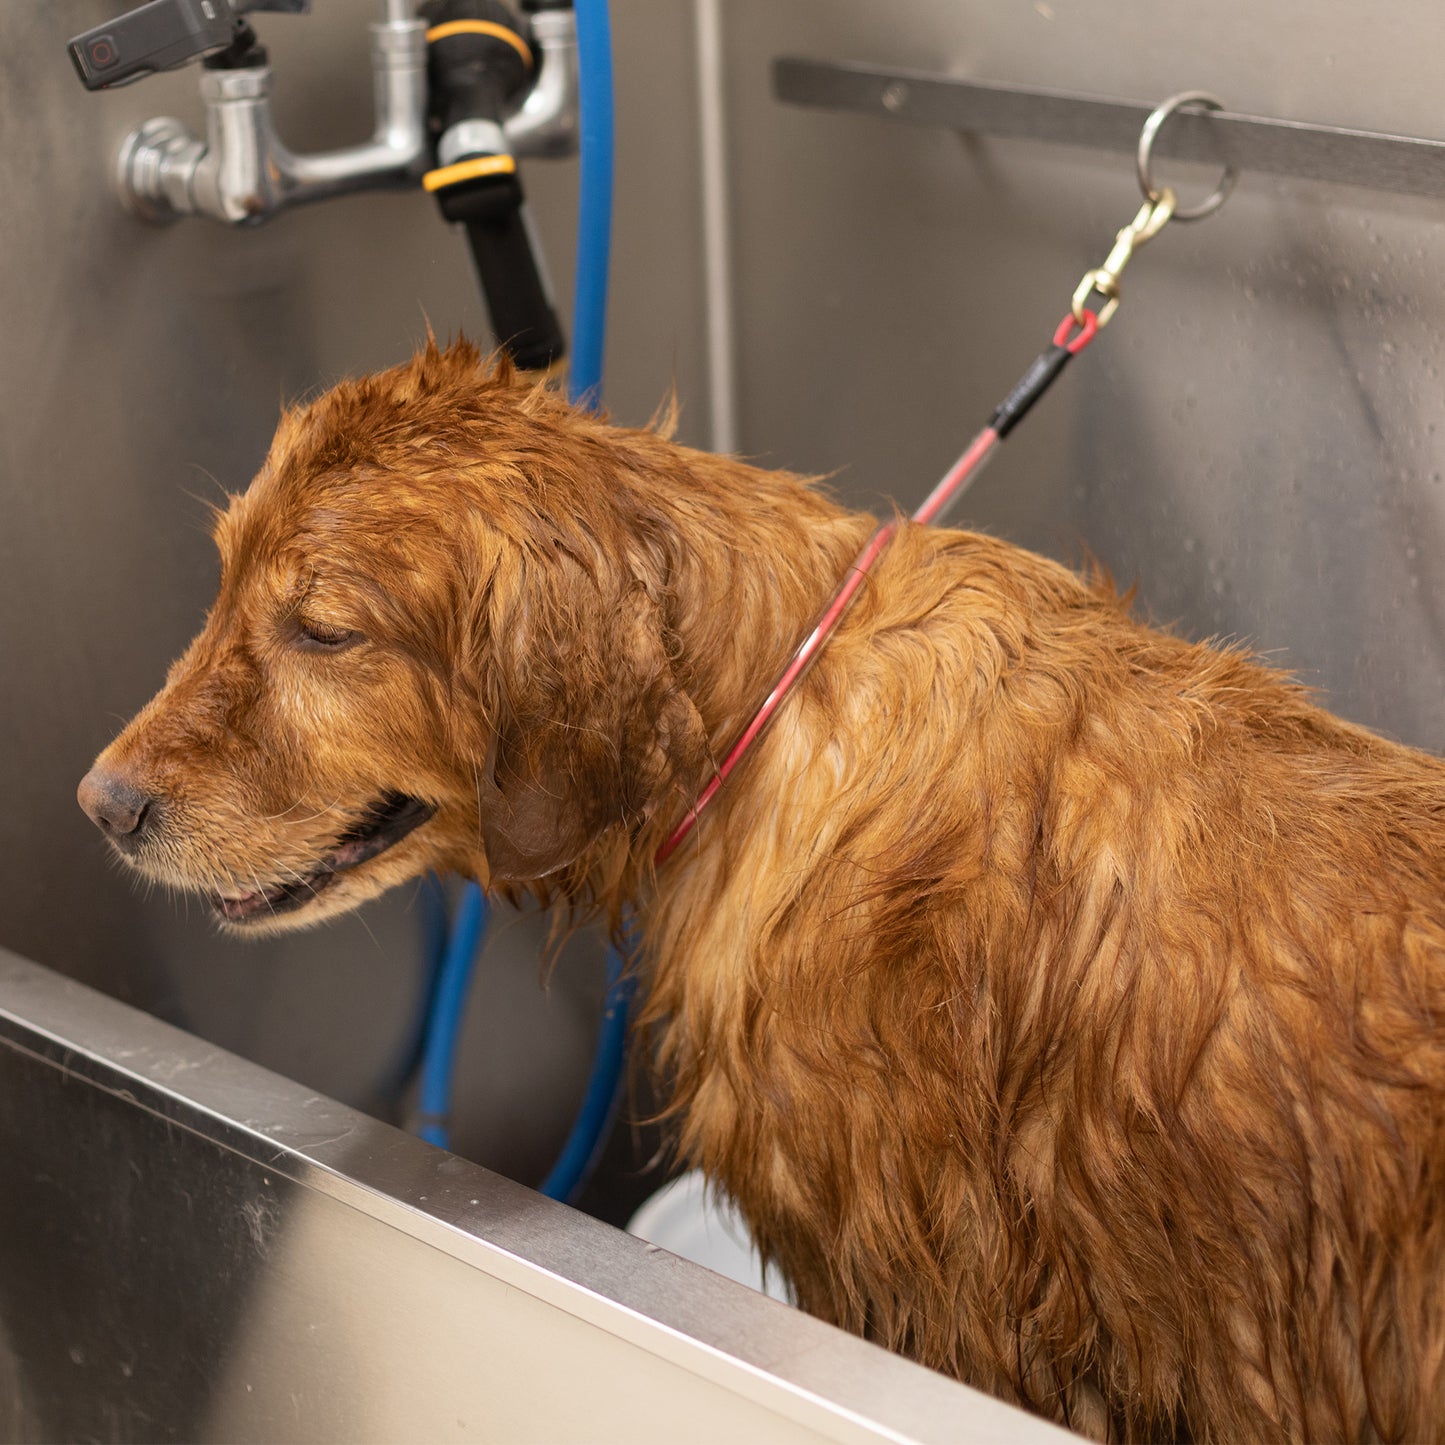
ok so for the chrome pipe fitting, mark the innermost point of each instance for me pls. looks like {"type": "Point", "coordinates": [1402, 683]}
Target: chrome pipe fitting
{"type": "Point", "coordinates": [546, 122]}
{"type": "Point", "coordinates": [242, 173]}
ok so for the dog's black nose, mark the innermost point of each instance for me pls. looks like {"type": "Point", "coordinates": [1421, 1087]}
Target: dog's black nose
{"type": "Point", "coordinates": [115, 805]}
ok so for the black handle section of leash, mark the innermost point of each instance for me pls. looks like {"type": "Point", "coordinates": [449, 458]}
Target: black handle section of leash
{"type": "Point", "coordinates": [1043, 372]}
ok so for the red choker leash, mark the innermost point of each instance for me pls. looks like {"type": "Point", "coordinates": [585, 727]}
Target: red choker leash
{"type": "Point", "coordinates": [811, 645]}
{"type": "Point", "coordinates": [1009, 413]}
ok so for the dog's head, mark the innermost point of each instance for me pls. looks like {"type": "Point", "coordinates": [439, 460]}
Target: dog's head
{"type": "Point", "coordinates": [439, 643]}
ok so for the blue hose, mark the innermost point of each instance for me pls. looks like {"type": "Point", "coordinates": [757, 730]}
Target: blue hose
{"type": "Point", "coordinates": [594, 202]}
{"type": "Point", "coordinates": [431, 905]}
{"type": "Point", "coordinates": [435, 1102]}
{"type": "Point", "coordinates": [584, 387]}
{"type": "Point", "coordinates": [593, 1124]}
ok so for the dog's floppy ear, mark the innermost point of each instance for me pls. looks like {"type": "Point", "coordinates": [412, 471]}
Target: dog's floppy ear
{"type": "Point", "coordinates": [593, 728]}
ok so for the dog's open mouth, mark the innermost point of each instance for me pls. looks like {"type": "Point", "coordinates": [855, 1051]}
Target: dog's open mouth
{"type": "Point", "coordinates": [384, 824]}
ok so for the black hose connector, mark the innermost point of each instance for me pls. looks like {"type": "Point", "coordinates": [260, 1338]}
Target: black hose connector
{"type": "Point", "coordinates": [244, 52]}
{"type": "Point", "coordinates": [1031, 386]}
{"type": "Point", "coordinates": [523, 320]}
{"type": "Point", "coordinates": [479, 61]}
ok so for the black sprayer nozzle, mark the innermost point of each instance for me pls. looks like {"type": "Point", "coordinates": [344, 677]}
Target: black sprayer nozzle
{"type": "Point", "coordinates": [523, 320]}
{"type": "Point", "coordinates": [479, 61]}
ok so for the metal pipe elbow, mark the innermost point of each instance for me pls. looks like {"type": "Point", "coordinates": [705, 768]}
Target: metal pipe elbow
{"type": "Point", "coordinates": [242, 173]}
{"type": "Point", "coordinates": [546, 123]}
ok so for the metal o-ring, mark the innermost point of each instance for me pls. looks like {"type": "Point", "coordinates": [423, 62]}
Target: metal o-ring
{"type": "Point", "coordinates": [1143, 157]}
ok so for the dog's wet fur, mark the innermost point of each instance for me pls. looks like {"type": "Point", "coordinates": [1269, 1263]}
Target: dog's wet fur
{"type": "Point", "coordinates": [1060, 1000]}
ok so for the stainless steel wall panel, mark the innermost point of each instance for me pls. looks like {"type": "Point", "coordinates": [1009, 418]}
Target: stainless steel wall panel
{"type": "Point", "coordinates": [1254, 439]}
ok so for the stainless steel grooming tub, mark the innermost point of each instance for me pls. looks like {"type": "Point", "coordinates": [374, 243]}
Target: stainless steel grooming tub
{"type": "Point", "coordinates": [192, 1248]}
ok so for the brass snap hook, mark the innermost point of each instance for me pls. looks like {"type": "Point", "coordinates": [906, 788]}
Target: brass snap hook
{"type": "Point", "coordinates": [1153, 216]}
{"type": "Point", "coordinates": [1195, 99]}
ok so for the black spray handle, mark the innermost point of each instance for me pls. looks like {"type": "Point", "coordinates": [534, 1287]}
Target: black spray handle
{"type": "Point", "coordinates": [480, 62]}
{"type": "Point", "coordinates": [491, 208]}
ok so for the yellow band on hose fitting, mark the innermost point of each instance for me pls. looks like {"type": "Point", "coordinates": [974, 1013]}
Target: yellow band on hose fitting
{"type": "Point", "coordinates": [483, 27]}
{"type": "Point", "coordinates": [468, 171]}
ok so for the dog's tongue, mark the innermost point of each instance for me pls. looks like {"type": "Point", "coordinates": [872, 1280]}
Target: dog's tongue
{"type": "Point", "coordinates": [239, 907]}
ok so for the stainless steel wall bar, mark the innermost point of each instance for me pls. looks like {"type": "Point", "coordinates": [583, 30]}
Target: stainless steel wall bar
{"type": "Point", "coordinates": [1246, 142]}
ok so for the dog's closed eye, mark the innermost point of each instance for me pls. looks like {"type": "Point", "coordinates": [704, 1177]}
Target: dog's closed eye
{"type": "Point", "coordinates": [325, 636]}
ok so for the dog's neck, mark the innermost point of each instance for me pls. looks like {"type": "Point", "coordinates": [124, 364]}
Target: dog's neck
{"type": "Point", "coordinates": [717, 571]}
{"type": "Point", "coordinates": [754, 557]}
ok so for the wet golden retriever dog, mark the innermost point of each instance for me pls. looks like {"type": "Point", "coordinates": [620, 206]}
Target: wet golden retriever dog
{"type": "Point", "coordinates": [1061, 1001]}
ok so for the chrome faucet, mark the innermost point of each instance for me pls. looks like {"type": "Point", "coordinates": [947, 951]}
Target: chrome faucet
{"type": "Point", "coordinates": [241, 172]}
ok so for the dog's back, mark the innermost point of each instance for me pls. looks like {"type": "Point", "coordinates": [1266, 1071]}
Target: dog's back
{"type": "Point", "coordinates": [1087, 1040]}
